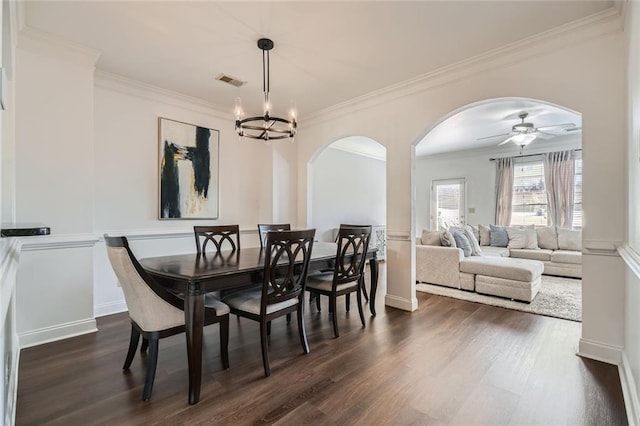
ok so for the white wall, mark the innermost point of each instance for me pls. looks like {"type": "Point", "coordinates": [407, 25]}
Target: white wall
{"type": "Point", "coordinates": [479, 174]}
{"type": "Point", "coordinates": [631, 249]}
{"type": "Point", "coordinates": [87, 164]}
{"type": "Point", "coordinates": [346, 188]}
{"type": "Point", "coordinates": [582, 69]}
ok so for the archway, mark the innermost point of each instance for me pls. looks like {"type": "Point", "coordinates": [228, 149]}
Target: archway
{"type": "Point", "coordinates": [346, 183]}
{"type": "Point", "coordinates": [456, 153]}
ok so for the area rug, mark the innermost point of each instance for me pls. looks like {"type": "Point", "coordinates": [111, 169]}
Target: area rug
{"type": "Point", "coordinates": [559, 297]}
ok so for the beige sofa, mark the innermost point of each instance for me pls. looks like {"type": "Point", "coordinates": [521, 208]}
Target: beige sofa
{"type": "Point", "coordinates": [501, 271]}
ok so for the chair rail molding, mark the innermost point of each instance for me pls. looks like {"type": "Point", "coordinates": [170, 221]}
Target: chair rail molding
{"type": "Point", "coordinates": [631, 258]}
{"type": "Point", "coordinates": [600, 247]}
{"type": "Point", "coordinates": [52, 242]}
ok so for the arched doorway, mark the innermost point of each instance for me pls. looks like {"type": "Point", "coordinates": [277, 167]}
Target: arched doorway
{"type": "Point", "coordinates": [455, 172]}
{"type": "Point", "coordinates": [346, 184]}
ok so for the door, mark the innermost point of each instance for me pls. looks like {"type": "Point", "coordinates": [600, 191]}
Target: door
{"type": "Point", "coordinates": [447, 203]}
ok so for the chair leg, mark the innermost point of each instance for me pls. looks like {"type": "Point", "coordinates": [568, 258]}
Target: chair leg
{"type": "Point", "coordinates": [269, 328]}
{"type": "Point", "coordinates": [265, 348]}
{"type": "Point", "coordinates": [318, 301]}
{"type": "Point", "coordinates": [333, 302]}
{"type": "Point", "coordinates": [288, 318]}
{"type": "Point", "coordinates": [152, 362]}
{"type": "Point", "coordinates": [360, 311]}
{"type": "Point", "coordinates": [133, 345]}
{"type": "Point", "coordinates": [145, 345]}
{"type": "Point", "coordinates": [348, 301]}
{"type": "Point", "coordinates": [224, 341]}
{"type": "Point", "coordinates": [364, 290]}
{"type": "Point", "coordinates": [301, 329]}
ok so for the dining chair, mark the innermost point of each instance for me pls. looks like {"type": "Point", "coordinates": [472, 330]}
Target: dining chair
{"type": "Point", "coordinates": [263, 228]}
{"type": "Point", "coordinates": [286, 262]}
{"type": "Point", "coordinates": [348, 273]}
{"type": "Point", "coordinates": [154, 311]}
{"type": "Point", "coordinates": [220, 236]}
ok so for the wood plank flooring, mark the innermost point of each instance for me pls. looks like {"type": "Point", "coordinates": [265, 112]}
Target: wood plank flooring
{"type": "Point", "coordinates": [450, 362]}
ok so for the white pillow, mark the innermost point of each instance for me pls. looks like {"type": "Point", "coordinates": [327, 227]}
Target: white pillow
{"type": "Point", "coordinates": [471, 236]}
{"type": "Point", "coordinates": [485, 235]}
{"type": "Point", "coordinates": [569, 239]}
{"type": "Point", "coordinates": [522, 238]}
{"type": "Point", "coordinates": [446, 239]}
{"type": "Point", "coordinates": [547, 237]}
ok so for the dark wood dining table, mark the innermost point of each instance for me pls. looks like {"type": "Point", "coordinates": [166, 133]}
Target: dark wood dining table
{"type": "Point", "coordinates": [195, 275]}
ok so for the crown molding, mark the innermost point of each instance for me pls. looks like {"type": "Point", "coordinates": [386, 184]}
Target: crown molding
{"type": "Point", "coordinates": [596, 25]}
{"type": "Point", "coordinates": [150, 92]}
{"type": "Point", "coordinates": [42, 42]}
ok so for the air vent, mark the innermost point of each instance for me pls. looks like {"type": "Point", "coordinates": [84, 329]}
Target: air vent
{"type": "Point", "coordinates": [230, 80]}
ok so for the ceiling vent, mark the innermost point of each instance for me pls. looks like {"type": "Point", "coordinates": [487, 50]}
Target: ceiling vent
{"type": "Point", "coordinates": [230, 80]}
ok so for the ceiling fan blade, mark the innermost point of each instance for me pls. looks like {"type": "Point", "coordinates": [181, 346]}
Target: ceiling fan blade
{"type": "Point", "coordinates": [573, 129]}
{"type": "Point", "coordinates": [507, 140]}
{"type": "Point", "coordinates": [545, 135]}
{"type": "Point", "coordinates": [566, 125]}
{"type": "Point", "coordinates": [494, 136]}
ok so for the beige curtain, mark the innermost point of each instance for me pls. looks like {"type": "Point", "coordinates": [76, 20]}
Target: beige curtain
{"type": "Point", "coordinates": [504, 190]}
{"type": "Point", "coordinates": [559, 176]}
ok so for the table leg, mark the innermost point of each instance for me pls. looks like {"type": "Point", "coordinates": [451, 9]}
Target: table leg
{"type": "Point", "coordinates": [373, 265]}
{"type": "Point", "coordinates": [194, 323]}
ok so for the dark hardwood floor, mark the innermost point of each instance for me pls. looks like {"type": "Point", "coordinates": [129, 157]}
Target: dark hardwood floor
{"type": "Point", "coordinates": [450, 362]}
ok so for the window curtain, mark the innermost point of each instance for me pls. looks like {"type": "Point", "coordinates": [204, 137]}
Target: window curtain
{"type": "Point", "coordinates": [559, 177]}
{"type": "Point", "coordinates": [504, 190]}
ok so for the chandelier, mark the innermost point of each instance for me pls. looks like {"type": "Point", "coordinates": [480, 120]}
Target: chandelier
{"type": "Point", "coordinates": [265, 127]}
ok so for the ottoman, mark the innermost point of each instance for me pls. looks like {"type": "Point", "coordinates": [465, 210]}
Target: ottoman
{"type": "Point", "coordinates": [518, 279]}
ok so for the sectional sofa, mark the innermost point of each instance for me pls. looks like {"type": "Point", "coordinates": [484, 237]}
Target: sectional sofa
{"type": "Point", "coordinates": [508, 265]}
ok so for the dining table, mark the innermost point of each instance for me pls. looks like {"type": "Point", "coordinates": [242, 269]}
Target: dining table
{"type": "Point", "coordinates": [194, 275]}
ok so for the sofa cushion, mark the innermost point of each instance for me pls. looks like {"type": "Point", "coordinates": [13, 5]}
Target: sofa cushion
{"type": "Point", "coordinates": [485, 235]}
{"type": "Point", "coordinates": [498, 236]}
{"type": "Point", "coordinates": [567, 256]}
{"type": "Point", "coordinates": [502, 267]}
{"type": "Point", "coordinates": [495, 251]}
{"type": "Point", "coordinates": [462, 242]}
{"type": "Point", "coordinates": [430, 238]}
{"type": "Point", "coordinates": [534, 254]}
{"type": "Point", "coordinates": [522, 238]}
{"type": "Point", "coordinates": [547, 237]}
{"type": "Point", "coordinates": [569, 239]}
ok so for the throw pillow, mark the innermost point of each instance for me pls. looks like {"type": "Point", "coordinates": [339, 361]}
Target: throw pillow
{"type": "Point", "coordinates": [430, 238]}
{"type": "Point", "coordinates": [473, 240]}
{"type": "Point", "coordinates": [498, 236]}
{"type": "Point", "coordinates": [446, 239]}
{"type": "Point", "coordinates": [462, 242]}
{"type": "Point", "coordinates": [475, 230]}
{"type": "Point", "coordinates": [485, 235]}
{"type": "Point", "coordinates": [569, 239]}
{"type": "Point", "coordinates": [547, 237]}
{"type": "Point", "coordinates": [522, 238]}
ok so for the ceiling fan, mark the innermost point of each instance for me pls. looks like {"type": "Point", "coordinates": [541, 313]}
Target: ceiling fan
{"type": "Point", "coordinates": [522, 134]}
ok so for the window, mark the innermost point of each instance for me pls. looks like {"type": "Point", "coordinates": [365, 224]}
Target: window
{"type": "Point", "coordinates": [447, 203]}
{"type": "Point", "coordinates": [529, 202]}
{"type": "Point", "coordinates": [529, 199]}
{"type": "Point", "coordinates": [577, 196]}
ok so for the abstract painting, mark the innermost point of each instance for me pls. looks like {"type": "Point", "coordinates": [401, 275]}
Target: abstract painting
{"type": "Point", "coordinates": [188, 170]}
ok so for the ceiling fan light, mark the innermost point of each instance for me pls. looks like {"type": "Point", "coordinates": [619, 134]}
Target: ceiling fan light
{"type": "Point", "coordinates": [523, 139]}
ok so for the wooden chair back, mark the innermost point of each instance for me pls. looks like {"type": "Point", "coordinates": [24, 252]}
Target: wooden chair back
{"type": "Point", "coordinates": [353, 242]}
{"type": "Point", "coordinates": [221, 237]}
{"type": "Point", "coordinates": [287, 256]}
{"type": "Point", "coordinates": [263, 228]}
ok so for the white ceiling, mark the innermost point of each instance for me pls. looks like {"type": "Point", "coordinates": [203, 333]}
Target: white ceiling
{"type": "Point", "coordinates": [325, 52]}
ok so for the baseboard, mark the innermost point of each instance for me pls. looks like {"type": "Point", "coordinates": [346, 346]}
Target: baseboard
{"type": "Point", "coordinates": [629, 392]}
{"type": "Point", "coordinates": [401, 303]}
{"type": "Point", "coordinates": [109, 308]}
{"type": "Point", "coordinates": [57, 332]}
{"type": "Point", "coordinates": [600, 352]}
